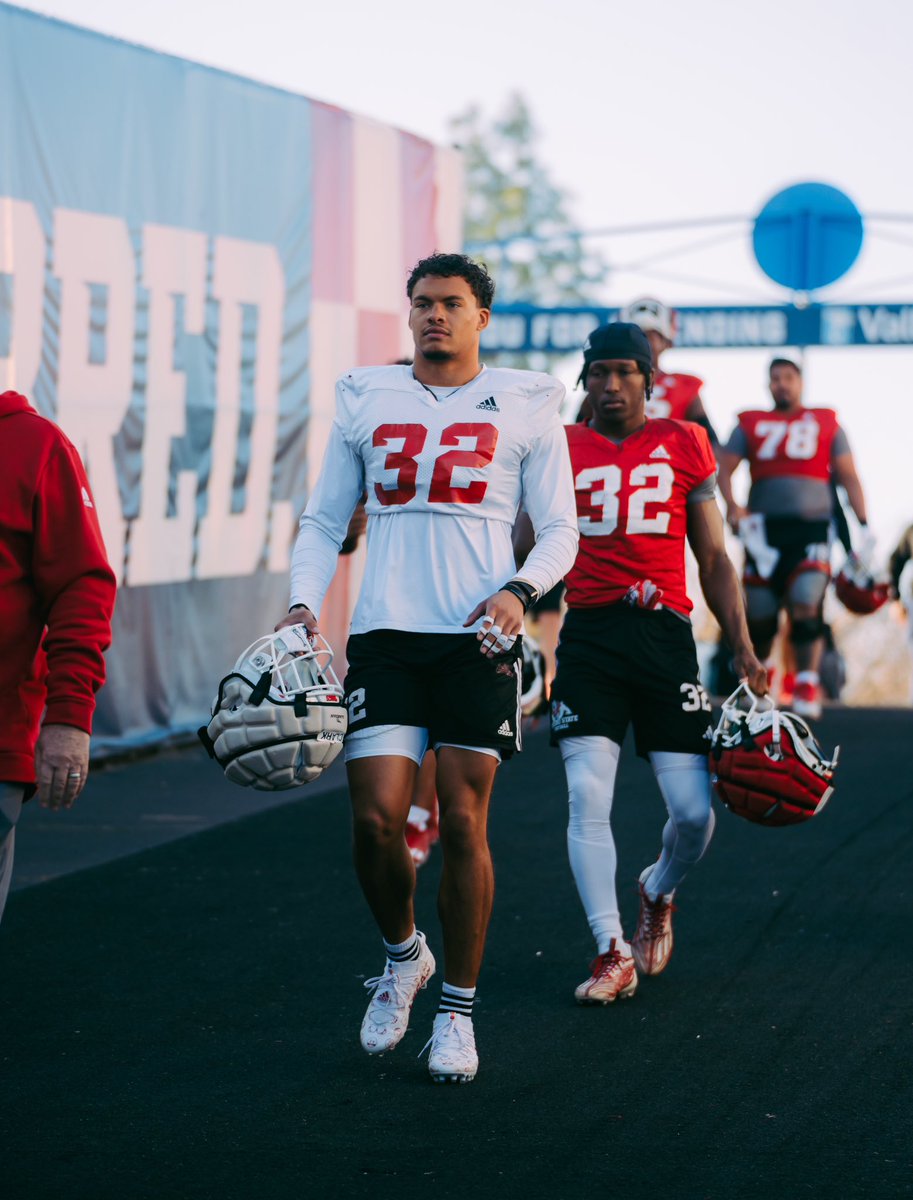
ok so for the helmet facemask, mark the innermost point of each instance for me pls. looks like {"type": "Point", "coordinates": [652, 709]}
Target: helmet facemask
{"type": "Point", "coordinates": [279, 718]}
{"type": "Point", "coordinates": [768, 766]}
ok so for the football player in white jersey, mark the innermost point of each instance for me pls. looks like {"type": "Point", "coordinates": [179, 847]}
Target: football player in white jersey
{"type": "Point", "coordinates": [447, 450]}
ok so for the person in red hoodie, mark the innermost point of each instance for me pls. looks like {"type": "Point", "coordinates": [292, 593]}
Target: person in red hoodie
{"type": "Point", "coordinates": [56, 600]}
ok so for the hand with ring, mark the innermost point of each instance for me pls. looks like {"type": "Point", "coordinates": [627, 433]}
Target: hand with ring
{"type": "Point", "coordinates": [61, 765]}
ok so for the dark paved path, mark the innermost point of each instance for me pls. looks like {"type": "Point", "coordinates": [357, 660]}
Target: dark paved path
{"type": "Point", "coordinates": [183, 1022]}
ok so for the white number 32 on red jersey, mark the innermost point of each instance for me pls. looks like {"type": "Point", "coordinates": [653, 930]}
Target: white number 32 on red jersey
{"type": "Point", "coordinates": [598, 503]}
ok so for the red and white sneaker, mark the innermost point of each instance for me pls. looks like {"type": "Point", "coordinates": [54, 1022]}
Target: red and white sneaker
{"type": "Point", "coordinates": [652, 943]}
{"type": "Point", "coordinates": [422, 831]}
{"type": "Point", "coordinates": [787, 690]}
{"type": "Point", "coordinates": [612, 974]}
{"type": "Point", "coordinates": [807, 699]}
{"type": "Point", "coordinates": [392, 995]}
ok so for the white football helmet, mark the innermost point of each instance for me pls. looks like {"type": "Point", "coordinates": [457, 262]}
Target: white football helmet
{"type": "Point", "coordinates": [651, 315]}
{"type": "Point", "coordinates": [533, 685]}
{"type": "Point", "coordinates": [279, 718]}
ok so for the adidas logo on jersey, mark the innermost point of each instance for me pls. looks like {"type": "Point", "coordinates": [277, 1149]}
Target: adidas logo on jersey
{"type": "Point", "coordinates": [489, 405]}
{"type": "Point", "coordinates": [660, 452]}
{"type": "Point", "coordinates": [505, 730]}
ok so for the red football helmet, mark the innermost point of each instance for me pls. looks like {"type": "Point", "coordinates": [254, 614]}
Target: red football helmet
{"type": "Point", "coordinates": [768, 767]}
{"type": "Point", "coordinates": [858, 589]}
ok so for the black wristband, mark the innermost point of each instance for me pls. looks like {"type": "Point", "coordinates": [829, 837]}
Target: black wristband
{"type": "Point", "coordinates": [525, 592]}
{"type": "Point", "coordinates": [294, 606]}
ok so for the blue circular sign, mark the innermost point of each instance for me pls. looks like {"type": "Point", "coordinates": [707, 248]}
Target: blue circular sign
{"type": "Point", "coordinates": [807, 236]}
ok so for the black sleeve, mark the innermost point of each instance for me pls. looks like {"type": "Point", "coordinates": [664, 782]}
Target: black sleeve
{"type": "Point", "coordinates": [840, 521]}
{"type": "Point", "coordinates": [900, 556]}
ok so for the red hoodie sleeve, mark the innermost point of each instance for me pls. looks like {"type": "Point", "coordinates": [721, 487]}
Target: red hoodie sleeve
{"type": "Point", "coordinates": [75, 588]}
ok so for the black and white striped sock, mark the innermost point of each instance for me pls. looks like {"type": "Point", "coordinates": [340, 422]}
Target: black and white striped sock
{"type": "Point", "coordinates": [456, 1000]}
{"type": "Point", "coordinates": [405, 951]}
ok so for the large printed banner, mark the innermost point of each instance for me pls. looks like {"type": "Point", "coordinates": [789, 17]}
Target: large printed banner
{"type": "Point", "coordinates": [187, 261]}
{"type": "Point", "coordinates": [522, 328]}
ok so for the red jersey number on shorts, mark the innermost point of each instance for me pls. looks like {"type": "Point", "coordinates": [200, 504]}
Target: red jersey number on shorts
{"type": "Point", "coordinates": [404, 461]}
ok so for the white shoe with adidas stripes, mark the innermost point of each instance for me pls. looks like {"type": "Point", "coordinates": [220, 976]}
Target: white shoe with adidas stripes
{"type": "Point", "coordinates": [387, 1018]}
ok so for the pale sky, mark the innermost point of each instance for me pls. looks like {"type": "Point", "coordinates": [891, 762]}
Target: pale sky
{"type": "Point", "coordinates": [647, 113]}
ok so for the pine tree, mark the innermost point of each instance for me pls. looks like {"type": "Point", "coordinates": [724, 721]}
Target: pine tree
{"type": "Point", "coordinates": [511, 195]}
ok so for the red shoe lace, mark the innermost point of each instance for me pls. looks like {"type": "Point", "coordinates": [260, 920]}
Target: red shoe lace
{"type": "Point", "coordinates": [605, 964]}
{"type": "Point", "coordinates": [654, 912]}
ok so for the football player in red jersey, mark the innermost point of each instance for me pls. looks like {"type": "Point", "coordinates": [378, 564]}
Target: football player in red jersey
{"type": "Point", "coordinates": [674, 395]}
{"type": "Point", "coordinates": [447, 451]}
{"type": "Point", "coordinates": [627, 655]}
{"type": "Point", "coordinates": [794, 453]}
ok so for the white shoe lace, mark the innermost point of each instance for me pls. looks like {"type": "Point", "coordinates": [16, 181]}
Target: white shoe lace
{"type": "Point", "coordinates": [463, 1041]}
{"type": "Point", "coordinates": [389, 981]}
{"type": "Point", "coordinates": [394, 979]}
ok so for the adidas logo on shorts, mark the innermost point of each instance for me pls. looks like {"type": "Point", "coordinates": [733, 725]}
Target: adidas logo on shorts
{"type": "Point", "coordinates": [660, 452]}
{"type": "Point", "coordinates": [488, 405]}
{"type": "Point", "coordinates": [505, 730]}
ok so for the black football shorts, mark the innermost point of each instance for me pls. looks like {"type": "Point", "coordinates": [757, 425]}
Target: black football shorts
{"type": "Point", "coordinates": [438, 681]}
{"type": "Point", "coordinates": [802, 545]}
{"type": "Point", "coordinates": [620, 666]}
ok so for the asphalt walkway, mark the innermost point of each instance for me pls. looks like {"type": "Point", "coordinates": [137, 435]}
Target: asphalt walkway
{"type": "Point", "coordinates": [183, 1021]}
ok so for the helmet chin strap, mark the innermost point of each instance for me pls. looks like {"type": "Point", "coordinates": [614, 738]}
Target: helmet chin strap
{"type": "Point", "coordinates": [261, 689]}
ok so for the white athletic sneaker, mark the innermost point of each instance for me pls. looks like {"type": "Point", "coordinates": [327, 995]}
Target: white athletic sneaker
{"type": "Point", "coordinates": [387, 1018]}
{"type": "Point", "coordinates": [453, 1057]}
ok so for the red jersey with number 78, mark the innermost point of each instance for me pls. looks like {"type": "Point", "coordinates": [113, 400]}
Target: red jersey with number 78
{"type": "Point", "coordinates": [632, 504]}
{"type": "Point", "coordinates": [797, 442]}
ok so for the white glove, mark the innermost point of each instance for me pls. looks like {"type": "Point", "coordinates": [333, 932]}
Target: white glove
{"type": "Point", "coordinates": [753, 535]}
{"type": "Point", "coordinates": [865, 551]}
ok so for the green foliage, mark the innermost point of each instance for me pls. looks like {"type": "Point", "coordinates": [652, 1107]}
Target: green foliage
{"type": "Point", "coordinates": [510, 194]}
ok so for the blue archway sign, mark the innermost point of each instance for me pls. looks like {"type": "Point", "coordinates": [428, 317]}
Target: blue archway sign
{"type": "Point", "coordinates": [807, 236]}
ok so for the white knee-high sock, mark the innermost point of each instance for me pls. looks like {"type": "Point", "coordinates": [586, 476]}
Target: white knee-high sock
{"type": "Point", "coordinates": [590, 764]}
{"type": "Point", "coordinates": [684, 780]}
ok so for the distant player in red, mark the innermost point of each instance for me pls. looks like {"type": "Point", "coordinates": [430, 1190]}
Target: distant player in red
{"type": "Point", "coordinates": [674, 395]}
{"type": "Point", "coordinates": [795, 454]}
{"type": "Point", "coordinates": [627, 655]}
